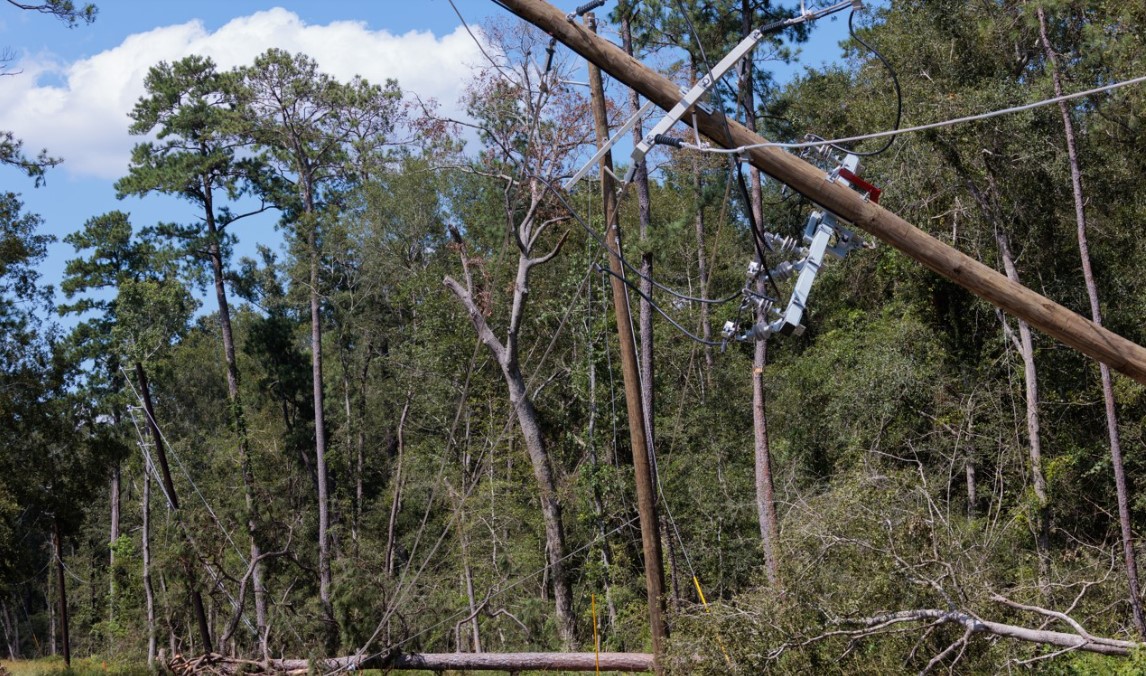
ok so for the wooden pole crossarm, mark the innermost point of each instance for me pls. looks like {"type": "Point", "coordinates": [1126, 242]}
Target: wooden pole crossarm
{"type": "Point", "coordinates": [1044, 314]}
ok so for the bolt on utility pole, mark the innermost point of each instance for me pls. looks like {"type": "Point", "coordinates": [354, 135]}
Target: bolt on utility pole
{"type": "Point", "coordinates": [1017, 300]}
{"type": "Point", "coordinates": [646, 495]}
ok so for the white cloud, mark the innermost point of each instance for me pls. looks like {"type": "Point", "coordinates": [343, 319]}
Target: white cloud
{"type": "Point", "coordinates": [78, 111]}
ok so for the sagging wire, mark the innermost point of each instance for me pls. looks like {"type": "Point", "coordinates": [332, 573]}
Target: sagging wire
{"type": "Point", "coordinates": [624, 261]}
{"type": "Point", "coordinates": [653, 305]}
{"type": "Point", "coordinates": [595, 235]}
{"type": "Point", "coordinates": [758, 241]}
{"type": "Point", "coordinates": [895, 83]}
{"type": "Point", "coordinates": [923, 127]}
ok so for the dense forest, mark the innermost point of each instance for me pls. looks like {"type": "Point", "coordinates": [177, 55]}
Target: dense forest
{"type": "Point", "coordinates": [407, 431]}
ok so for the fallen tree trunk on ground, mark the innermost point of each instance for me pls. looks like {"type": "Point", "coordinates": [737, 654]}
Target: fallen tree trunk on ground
{"type": "Point", "coordinates": [1068, 641]}
{"type": "Point", "coordinates": [511, 662]}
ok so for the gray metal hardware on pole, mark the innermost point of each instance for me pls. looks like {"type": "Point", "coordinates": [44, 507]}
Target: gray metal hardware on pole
{"type": "Point", "coordinates": [1044, 314]}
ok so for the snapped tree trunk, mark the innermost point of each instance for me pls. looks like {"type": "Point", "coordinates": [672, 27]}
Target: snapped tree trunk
{"type": "Point", "coordinates": [1122, 491]}
{"type": "Point", "coordinates": [113, 536]}
{"type": "Point", "coordinates": [528, 422]}
{"type": "Point", "coordinates": [148, 589]}
{"type": "Point", "coordinates": [173, 502]}
{"type": "Point", "coordinates": [1025, 346]}
{"type": "Point", "coordinates": [396, 498]}
{"type": "Point", "coordinates": [530, 426]}
{"type": "Point", "coordinates": [1034, 433]}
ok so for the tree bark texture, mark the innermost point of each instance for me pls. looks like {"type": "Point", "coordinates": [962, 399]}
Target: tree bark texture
{"type": "Point", "coordinates": [396, 496]}
{"type": "Point", "coordinates": [320, 439]}
{"type": "Point", "coordinates": [530, 426]}
{"type": "Point", "coordinates": [148, 588]}
{"type": "Point", "coordinates": [1080, 642]}
{"type": "Point", "coordinates": [238, 421]}
{"type": "Point", "coordinates": [1034, 432]}
{"type": "Point", "coordinates": [113, 536]}
{"type": "Point", "coordinates": [505, 662]}
{"type": "Point", "coordinates": [644, 219]}
{"type": "Point", "coordinates": [528, 421]}
{"type": "Point", "coordinates": [765, 490]}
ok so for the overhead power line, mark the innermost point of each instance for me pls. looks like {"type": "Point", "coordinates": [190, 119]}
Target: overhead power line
{"type": "Point", "coordinates": [923, 127]}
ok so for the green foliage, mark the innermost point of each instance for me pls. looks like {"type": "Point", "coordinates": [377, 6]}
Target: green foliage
{"type": "Point", "coordinates": [896, 421]}
{"type": "Point", "coordinates": [66, 11]}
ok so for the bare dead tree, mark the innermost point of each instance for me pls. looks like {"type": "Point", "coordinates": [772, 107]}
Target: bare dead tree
{"type": "Point", "coordinates": [506, 354]}
{"type": "Point", "coordinates": [551, 121]}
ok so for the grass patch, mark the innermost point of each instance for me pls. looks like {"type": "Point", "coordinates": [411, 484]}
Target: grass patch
{"type": "Point", "coordinates": [46, 666]}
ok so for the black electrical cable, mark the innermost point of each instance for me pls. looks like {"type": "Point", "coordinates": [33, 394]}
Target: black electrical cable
{"type": "Point", "coordinates": [758, 241]}
{"type": "Point", "coordinates": [662, 313]}
{"type": "Point", "coordinates": [624, 261]}
{"type": "Point", "coordinates": [894, 81]}
{"type": "Point", "coordinates": [621, 256]}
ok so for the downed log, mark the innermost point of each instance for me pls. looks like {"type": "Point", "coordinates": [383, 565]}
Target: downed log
{"type": "Point", "coordinates": [524, 661]}
{"type": "Point", "coordinates": [1060, 639]}
{"type": "Point", "coordinates": [511, 662]}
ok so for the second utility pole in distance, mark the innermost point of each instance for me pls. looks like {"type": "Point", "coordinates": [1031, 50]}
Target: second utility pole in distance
{"type": "Point", "coordinates": [646, 495]}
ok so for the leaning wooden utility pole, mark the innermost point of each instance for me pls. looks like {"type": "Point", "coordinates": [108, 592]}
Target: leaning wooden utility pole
{"type": "Point", "coordinates": [1044, 314]}
{"type": "Point", "coordinates": [646, 495]}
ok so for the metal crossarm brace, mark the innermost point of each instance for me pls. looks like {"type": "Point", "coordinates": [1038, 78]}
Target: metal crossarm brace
{"type": "Point", "coordinates": [693, 96]}
{"type": "Point", "coordinates": [621, 131]}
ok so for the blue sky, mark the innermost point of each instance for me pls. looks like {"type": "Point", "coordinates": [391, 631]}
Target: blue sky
{"type": "Point", "coordinates": [75, 86]}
